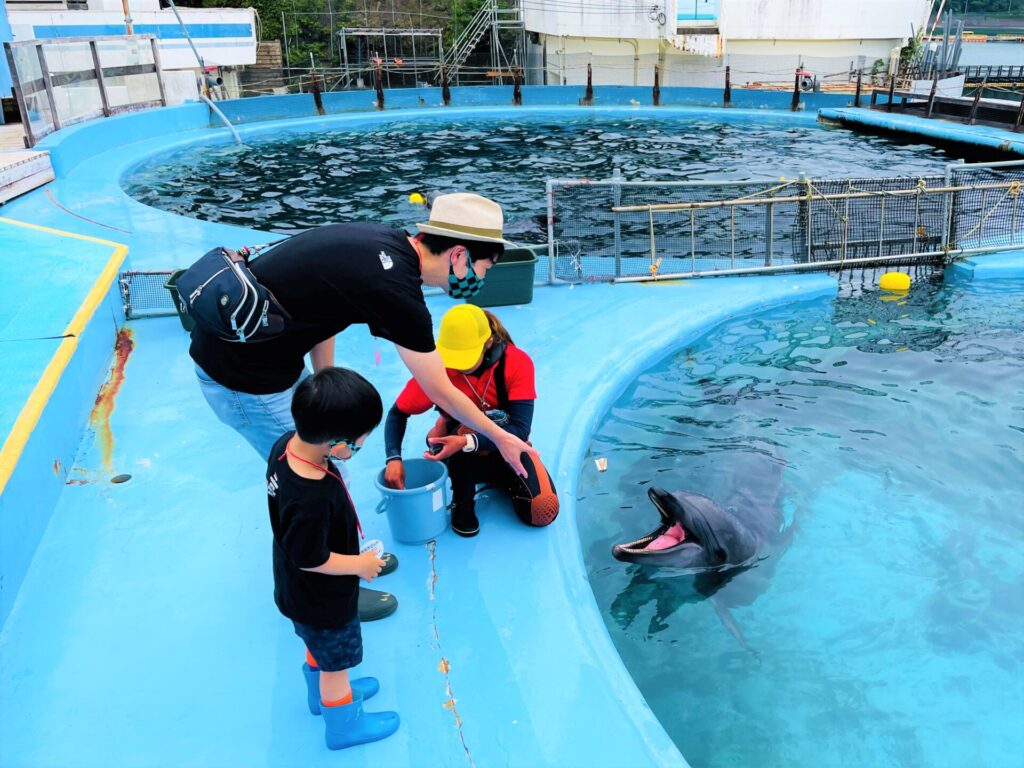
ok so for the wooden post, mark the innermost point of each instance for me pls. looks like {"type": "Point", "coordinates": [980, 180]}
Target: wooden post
{"type": "Point", "coordinates": [318, 99]}
{"type": "Point", "coordinates": [657, 87]}
{"type": "Point", "coordinates": [874, 96]}
{"type": "Point", "coordinates": [380, 87]}
{"type": "Point", "coordinates": [1020, 117]}
{"type": "Point", "coordinates": [974, 104]}
{"type": "Point", "coordinates": [892, 91]}
{"type": "Point", "coordinates": [796, 91]}
{"type": "Point", "coordinates": [856, 97]}
{"type": "Point", "coordinates": [931, 95]}
{"type": "Point", "coordinates": [727, 94]}
{"type": "Point", "coordinates": [588, 95]}
{"type": "Point", "coordinates": [446, 94]}
{"type": "Point", "coordinates": [517, 91]}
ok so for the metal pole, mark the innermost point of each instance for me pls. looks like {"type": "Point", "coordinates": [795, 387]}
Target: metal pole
{"type": "Point", "coordinates": [99, 78]}
{"type": "Point", "coordinates": [881, 224]}
{"type": "Point", "coordinates": [550, 190]}
{"type": "Point", "coordinates": [931, 95]}
{"type": "Point", "coordinates": [693, 239]}
{"type": "Point", "coordinates": [127, 18]}
{"type": "Point", "coordinates": [284, 34]}
{"type": "Point", "coordinates": [771, 234]}
{"type": "Point", "coordinates": [892, 90]}
{"type": "Point", "coordinates": [796, 91]}
{"type": "Point", "coordinates": [45, 70]}
{"type": "Point", "coordinates": [856, 98]}
{"type": "Point", "coordinates": [344, 54]}
{"type": "Point", "coordinates": [617, 198]}
{"type": "Point", "coordinates": [159, 70]}
{"type": "Point", "coordinates": [727, 94]}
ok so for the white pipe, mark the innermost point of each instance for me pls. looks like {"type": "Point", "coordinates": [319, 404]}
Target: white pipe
{"type": "Point", "coordinates": [202, 75]}
{"type": "Point", "coordinates": [211, 105]}
{"type": "Point", "coordinates": [636, 56]}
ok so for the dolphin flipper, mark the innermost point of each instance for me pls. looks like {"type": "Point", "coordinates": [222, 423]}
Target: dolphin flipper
{"type": "Point", "coordinates": [725, 616]}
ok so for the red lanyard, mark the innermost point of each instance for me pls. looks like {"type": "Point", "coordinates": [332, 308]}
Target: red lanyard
{"type": "Point", "coordinates": [481, 398]}
{"type": "Point", "coordinates": [336, 477]}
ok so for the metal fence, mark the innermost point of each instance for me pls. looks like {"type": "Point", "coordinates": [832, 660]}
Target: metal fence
{"type": "Point", "coordinates": [68, 80]}
{"type": "Point", "coordinates": [621, 230]}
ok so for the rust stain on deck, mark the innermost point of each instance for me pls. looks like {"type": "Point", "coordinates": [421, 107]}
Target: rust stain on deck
{"type": "Point", "coordinates": [99, 419]}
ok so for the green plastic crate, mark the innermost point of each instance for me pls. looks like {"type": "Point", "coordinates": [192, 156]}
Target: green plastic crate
{"type": "Point", "coordinates": [510, 281]}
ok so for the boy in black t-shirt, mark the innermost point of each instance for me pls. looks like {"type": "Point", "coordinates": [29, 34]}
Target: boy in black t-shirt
{"type": "Point", "coordinates": [317, 563]}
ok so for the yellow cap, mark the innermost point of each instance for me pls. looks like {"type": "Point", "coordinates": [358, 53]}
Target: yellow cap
{"type": "Point", "coordinates": [464, 331]}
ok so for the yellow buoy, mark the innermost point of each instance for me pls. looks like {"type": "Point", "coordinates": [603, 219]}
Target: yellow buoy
{"type": "Point", "coordinates": [417, 199]}
{"type": "Point", "coordinates": [894, 281]}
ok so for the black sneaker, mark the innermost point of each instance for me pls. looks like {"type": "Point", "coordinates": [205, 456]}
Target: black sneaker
{"type": "Point", "coordinates": [464, 521]}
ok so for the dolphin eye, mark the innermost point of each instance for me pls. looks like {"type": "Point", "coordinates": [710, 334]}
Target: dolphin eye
{"type": "Point", "coordinates": [720, 554]}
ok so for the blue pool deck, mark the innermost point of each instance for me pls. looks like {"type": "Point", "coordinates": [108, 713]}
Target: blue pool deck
{"type": "Point", "coordinates": [138, 621]}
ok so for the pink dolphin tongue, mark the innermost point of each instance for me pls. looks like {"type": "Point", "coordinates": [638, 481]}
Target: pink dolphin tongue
{"type": "Point", "coordinates": [669, 538]}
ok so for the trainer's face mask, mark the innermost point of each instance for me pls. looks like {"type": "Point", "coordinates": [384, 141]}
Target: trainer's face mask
{"type": "Point", "coordinates": [463, 287]}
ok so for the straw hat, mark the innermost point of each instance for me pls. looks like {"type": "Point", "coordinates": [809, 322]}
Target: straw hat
{"type": "Point", "coordinates": [465, 216]}
{"type": "Point", "coordinates": [464, 331]}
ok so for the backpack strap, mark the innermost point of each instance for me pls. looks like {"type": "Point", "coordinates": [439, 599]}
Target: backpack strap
{"type": "Point", "coordinates": [500, 384]}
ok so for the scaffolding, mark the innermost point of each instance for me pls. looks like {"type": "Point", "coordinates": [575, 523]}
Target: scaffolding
{"type": "Point", "coordinates": [394, 50]}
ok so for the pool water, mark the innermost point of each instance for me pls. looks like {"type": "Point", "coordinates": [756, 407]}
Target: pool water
{"type": "Point", "coordinates": [297, 181]}
{"type": "Point", "coordinates": [887, 628]}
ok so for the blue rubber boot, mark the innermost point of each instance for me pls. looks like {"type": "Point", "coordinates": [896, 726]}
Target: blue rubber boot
{"type": "Point", "coordinates": [348, 725]}
{"type": "Point", "coordinates": [367, 686]}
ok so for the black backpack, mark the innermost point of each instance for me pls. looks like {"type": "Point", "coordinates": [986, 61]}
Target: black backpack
{"type": "Point", "coordinates": [226, 300]}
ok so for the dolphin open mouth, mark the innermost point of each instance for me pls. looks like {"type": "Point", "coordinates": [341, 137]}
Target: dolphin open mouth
{"type": "Point", "coordinates": [671, 535]}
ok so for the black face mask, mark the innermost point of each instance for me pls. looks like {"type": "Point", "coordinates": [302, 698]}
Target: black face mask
{"type": "Point", "coordinates": [491, 356]}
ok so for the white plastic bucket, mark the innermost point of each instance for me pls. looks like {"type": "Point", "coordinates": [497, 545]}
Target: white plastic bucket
{"type": "Point", "coordinates": [420, 512]}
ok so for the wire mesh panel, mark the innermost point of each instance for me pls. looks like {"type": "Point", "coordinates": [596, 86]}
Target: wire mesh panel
{"type": "Point", "coordinates": [602, 230]}
{"type": "Point", "coordinates": [145, 294]}
{"type": "Point", "coordinates": [989, 213]}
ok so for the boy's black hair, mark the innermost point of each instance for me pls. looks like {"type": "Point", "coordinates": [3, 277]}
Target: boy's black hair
{"type": "Point", "coordinates": [478, 249]}
{"type": "Point", "coordinates": [335, 404]}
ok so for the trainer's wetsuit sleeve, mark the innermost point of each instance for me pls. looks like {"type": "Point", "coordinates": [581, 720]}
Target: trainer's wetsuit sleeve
{"type": "Point", "coordinates": [394, 432]}
{"type": "Point", "coordinates": [520, 415]}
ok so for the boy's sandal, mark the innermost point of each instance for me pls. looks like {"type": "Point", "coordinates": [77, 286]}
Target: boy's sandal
{"type": "Point", "coordinates": [374, 605]}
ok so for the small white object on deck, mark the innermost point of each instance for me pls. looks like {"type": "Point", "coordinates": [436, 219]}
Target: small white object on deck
{"type": "Point", "coordinates": [601, 464]}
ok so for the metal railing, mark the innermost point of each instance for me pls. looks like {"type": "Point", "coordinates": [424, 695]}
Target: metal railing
{"type": "Point", "coordinates": [616, 230]}
{"type": "Point", "coordinates": [68, 80]}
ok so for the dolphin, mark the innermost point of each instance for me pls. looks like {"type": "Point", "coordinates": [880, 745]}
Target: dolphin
{"type": "Point", "coordinates": [712, 538]}
{"type": "Point", "coordinates": [733, 544]}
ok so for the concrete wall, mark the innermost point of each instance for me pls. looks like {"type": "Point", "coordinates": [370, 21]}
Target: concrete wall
{"type": "Point", "coordinates": [224, 36]}
{"type": "Point", "coordinates": [609, 18]}
{"type": "Point", "coordinates": [626, 61]}
{"type": "Point", "coordinates": [821, 19]}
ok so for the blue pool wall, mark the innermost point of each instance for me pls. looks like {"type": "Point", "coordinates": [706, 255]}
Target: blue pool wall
{"type": "Point", "coordinates": [90, 160]}
{"type": "Point", "coordinates": [43, 468]}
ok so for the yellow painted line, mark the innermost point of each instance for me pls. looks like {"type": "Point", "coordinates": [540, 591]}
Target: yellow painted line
{"type": "Point", "coordinates": [33, 409]}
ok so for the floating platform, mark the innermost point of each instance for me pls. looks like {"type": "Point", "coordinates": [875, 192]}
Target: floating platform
{"type": "Point", "coordinates": [930, 130]}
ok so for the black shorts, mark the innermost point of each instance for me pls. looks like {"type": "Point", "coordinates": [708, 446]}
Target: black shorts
{"type": "Point", "coordinates": [334, 648]}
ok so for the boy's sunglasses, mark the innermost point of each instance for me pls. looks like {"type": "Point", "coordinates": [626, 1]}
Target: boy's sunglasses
{"type": "Point", "coordinates": [352, 447]}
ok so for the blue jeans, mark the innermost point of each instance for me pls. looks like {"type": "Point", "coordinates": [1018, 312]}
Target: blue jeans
{"type": "Point", "coordinates": [260, 419]}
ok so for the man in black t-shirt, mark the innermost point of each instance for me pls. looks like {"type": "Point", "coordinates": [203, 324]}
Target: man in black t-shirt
{"type": "Point", "coordinates": [338, 275]}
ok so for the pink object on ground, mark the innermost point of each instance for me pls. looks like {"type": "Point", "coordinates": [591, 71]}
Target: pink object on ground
{"type": "Point", "coordinates": [669, 538]}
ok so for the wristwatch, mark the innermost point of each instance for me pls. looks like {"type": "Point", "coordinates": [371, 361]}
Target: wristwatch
{"type": "Point", "coordinates": [471, 443]}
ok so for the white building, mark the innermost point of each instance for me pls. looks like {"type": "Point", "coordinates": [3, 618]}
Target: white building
{"type": "Point", "coordinates": [762, 41]}
{"type": "Point", "coordinates": [223, 36]}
